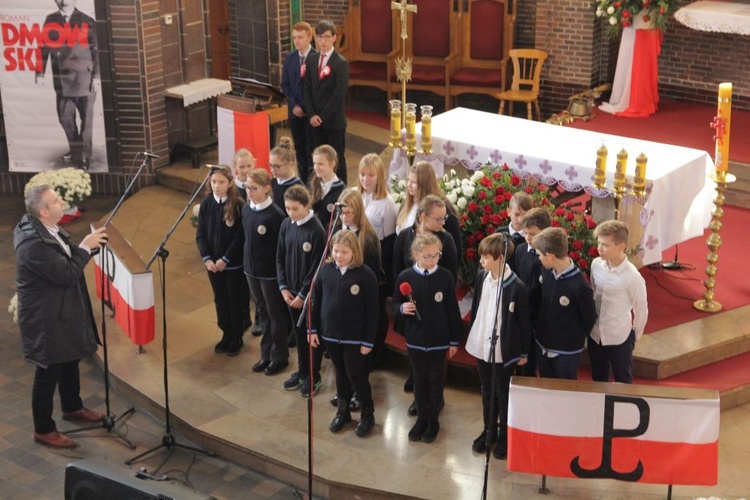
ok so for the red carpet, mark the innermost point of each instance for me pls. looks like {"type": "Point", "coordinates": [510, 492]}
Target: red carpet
{"type": "Point", "coordinates": [671, 293]}
{"type": "Point", "coordinates": [379, 120]}
{"type": "Point", "coordinates": [680, 123]}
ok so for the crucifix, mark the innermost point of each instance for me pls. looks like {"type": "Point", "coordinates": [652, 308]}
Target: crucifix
{"type": "Point", "coordinates": [403, 65]}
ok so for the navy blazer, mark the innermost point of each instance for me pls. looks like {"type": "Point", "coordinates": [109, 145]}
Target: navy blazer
{"type": "Point", "coordinates": [291, 80]}
{"type": "Point", "coordinates": [325, 97]}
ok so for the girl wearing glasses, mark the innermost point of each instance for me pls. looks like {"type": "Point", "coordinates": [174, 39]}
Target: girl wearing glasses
{"type": "Point", "coordinates": [283, 162]}
{"type": "Point", "coordinates": [220, 239]}
{"type": "Point", "coordinates": [261, 219]}
{"type": "Point", "coordinates": [432, 326]}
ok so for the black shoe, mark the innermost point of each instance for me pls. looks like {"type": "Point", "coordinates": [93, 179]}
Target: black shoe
{"type": "Point", "coordinates": [366, 422]}
{"type": "Point", "coordinates": [354, 403]}
{"type": "Point", "coordinates": [305, 389]}
{"type": "Point", "coordinates": [340, 420]}
{"type": "Point", "coordinates": [480, 443]}
{"type": "Point", "coordinates": [412, 411]}
{"type": "Point", "coordinates": [415, 434]}
{"type": "Point", "coordinates": [222, 346]}
{"type": "Point", "coordinates": [261, 365]}
{"type": "Point", "coordinates": [275, 367]}
{"type": "Point", "coordinates": [409, 384]}
{"type": "Point", "coordinates": [234, 348]}
{"type": "Point", "coordinates": [335, 400]}
{"type": "Point", "coordinates": [431, 432]}
{"type": "Point", "coordinates": [501, 450]}
{"type": "Point", "coordinates": [293, 382]}
{"type": "Point", "coordinates": [256, 331]}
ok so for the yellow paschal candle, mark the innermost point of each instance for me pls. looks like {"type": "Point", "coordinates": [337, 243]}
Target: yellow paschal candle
{"type": "Point", "coordinates": [639, 179]}
{"type": "Point", "coordinates": [600, 172]}
{"type": "Point", "coordinates": [722, 136]}
{"type": "Point", "coordinates": [622, 165]}
{"type": "Point", "coordinates": [395, 126]}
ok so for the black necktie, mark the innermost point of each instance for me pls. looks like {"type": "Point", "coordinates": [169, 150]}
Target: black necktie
{"type": "Point", "coordinates": [426, 272]}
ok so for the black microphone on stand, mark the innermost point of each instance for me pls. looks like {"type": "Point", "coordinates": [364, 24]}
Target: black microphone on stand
{"type": "Point", "coordinates": [219, 167]}
{"type": "Point", "coordinates": [675, 264]}
{"type": "Point", "coordinates": [149, 155]}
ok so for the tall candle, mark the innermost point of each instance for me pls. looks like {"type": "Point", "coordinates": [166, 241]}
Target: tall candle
{"type": "Point", "coordinates": [639, 179]}
{"type": "Point", "coordinates": [426, 122]}
{"type": "Point", "coordinates": [724, 114]}
{"type": "Point", "coordinates": [411, 122]}
{"type": "Point", "coordinates": [600, 172]}
{"type": "Point", "coordinates": [395, 139]}
{"type": "Point", "coordinates": [622, 164]}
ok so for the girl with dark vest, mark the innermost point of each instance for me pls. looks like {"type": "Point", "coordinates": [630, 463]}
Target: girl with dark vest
{"type": "Point", "coordinates": [325, 186]}
{"type": "Point", "coordinates": [283, 163]}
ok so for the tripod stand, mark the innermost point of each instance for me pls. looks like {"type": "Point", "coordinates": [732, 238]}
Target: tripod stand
{"type": "Point", "coordinates": [169, 440]}
{"type": "Point", "coordinates": [110, 420]}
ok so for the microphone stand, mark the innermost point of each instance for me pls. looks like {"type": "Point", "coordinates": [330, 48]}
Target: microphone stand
{"type": "Point", "coordinates": [674, 265]}
{"type": "Point", "coordinates": [110, 421]}
{"type": "Point", "coordinates": [169, 441]}
{"type": "Point", "coordinates": [493, 372]}
{"type": "Point", "coordinates": [335, 215]}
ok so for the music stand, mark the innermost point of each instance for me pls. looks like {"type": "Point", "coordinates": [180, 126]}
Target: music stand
{"type": "Point", "coordinates": [169, 440]}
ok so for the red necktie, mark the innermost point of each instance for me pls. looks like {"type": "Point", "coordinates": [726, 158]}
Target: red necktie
{"type": "Point", "coordinates": [321, 65]}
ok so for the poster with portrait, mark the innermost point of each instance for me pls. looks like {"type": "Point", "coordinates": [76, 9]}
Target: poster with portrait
{"type": "Point", "coordinates": [50, 85]}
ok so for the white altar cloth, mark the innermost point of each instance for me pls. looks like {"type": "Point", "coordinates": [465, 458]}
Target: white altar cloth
{"type": "Point", "coordinates": [678, 191]}
{"type": "Point", "coordinates": [717, 16]}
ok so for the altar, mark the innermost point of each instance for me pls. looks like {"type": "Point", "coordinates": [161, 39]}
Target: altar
{"type": "Point", "coordinates": [678, 201]}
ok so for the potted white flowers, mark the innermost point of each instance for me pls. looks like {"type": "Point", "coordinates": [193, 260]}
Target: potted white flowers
{"type": "Point", "coordinates": [73, 186]}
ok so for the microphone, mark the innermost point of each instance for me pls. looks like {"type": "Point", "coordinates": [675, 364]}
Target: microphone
{"type": "Point", "coordinates": [405, 289]}
{"type": "Point", "coordinates": [220, 167]}
{"type": "Point", "coordinates": [341, 205]}
{"type": "Point", "coordinates": [149, 155]}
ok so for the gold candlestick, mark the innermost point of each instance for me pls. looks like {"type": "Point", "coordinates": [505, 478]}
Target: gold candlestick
{"type": "Point", "coordinates": [395, 139]}
{"type": "Point", "coordinates": [620, 169]}
{"type": "Point", "coordinates": [639, 179]}
{"type": "Point", "coordinates": [426, 121]}
{"type": "Point", "coordinates": [707, 303]}
{"type": "Point", "coordinates": [600, 171]}
{"type": "Point", "coordinates": [410, 122]}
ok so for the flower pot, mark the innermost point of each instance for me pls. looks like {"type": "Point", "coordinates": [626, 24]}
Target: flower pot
{"type": "Point", "coordinates": [70, 214]}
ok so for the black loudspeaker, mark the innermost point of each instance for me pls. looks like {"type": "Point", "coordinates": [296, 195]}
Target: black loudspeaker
{"type": "Point", "coordinates": [96, 479]}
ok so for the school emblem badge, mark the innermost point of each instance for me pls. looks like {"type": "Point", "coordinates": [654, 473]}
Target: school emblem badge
{"type": "Point", "coordinates": [564, 301]}
{"type": "Point", "coordinates": [512, 307]}
{"type": "Point", "coordinates": [438, 296]}
{"type": "Point", "coordinates": [354, 289]}
{"type": "Point", "coordinates": [261, 229]}
{"type": "Point", "coordinates": [307, 246]}
{"type": "Point", "coordinates": [229, 223]}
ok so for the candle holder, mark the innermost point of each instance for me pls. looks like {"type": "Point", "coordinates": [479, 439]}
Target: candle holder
{"type": "Point", "coordinates": [410, 121]}
{"type": "Point", "coordinates": [707, 303]}
{"type": "Point", "coordinates": [600, 171]}
{"type": "Point", "coordinates": [639, 179]}
{"type": "Point", "coordinates": [395, 113]}
{"type": "Point", "coordinates": [618, 194]}
{"type": "Point", "coordinates": [426, 121]}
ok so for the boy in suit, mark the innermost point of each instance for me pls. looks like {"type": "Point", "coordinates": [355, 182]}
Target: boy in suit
{"type": "Point", "coordinates": [326, 81]}
{"type": "Point", "coordinates": [292, 76]}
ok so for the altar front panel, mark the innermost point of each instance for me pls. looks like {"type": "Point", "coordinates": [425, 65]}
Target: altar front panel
{"type": "Point", "coordinates": [678, 197]}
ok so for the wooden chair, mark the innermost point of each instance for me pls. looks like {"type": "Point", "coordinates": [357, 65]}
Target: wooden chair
{"type": "Point", "coordinates": [487, 36]}
{"type": "Point", "coordinates": [369, 42]}
{"type": "Point", "coordinates": [432, 45]}
{"type": "Point", "coordinates": [527, 72]}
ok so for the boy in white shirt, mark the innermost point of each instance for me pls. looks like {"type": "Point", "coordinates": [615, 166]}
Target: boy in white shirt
{"type": "Point", "coordinates": [621, 304]}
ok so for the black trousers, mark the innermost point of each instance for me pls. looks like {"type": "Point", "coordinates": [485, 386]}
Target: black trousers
{"type": "Point", "coordinates": [303, 355]}
{"type": "Point", "coordinates": [427, 368]}
{"type": "Point", "coordinates": [375, 357]}
{"type": "Point", "coordinates": [228, 299]}
{"type": "Point", "coordinates": [564, 366]}
{"type": "Point", "coordinates": [46, 380]}
{"type": "Point", "coordinates": [614, 360]}
{"type": "Point", "coordinates": [352, 373]}
{"type": "Point", "coordinates": [273, 344]}
{"type": "Point", "coordinates": [503, 373]}
{"type": "Point", "coordinates": [79, 138]}
{"type": "Point", "coordinates": [337, 140]}
{"type": "Point", "coordinates": [303, 144]}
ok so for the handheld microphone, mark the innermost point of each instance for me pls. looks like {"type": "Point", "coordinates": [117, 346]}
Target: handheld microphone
{"type": "Point", "coordinates": [405, 289]}
{"type": "Point", "coordinates": [340, 205]}
{"type": "Point", "coordinates": [149, 155]}
{"type": "Point", "coordinates": [220, 167]}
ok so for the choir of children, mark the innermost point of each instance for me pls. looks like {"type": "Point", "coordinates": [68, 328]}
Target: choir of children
{"type": "Point", "coordinates": [533, 301]}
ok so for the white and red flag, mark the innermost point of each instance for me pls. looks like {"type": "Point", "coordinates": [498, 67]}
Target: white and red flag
{"type": "Point", "coordinates": [243, 130]}
{"type": "Point", "coordinates": [580, 429]}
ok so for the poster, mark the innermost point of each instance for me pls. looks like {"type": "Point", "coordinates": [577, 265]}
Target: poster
{"type": "Point", "coordinates": [50, 85]}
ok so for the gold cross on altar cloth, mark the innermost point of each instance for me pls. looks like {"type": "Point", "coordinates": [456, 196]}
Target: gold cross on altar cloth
{"type": "Point", "coordinates": [404, 8]}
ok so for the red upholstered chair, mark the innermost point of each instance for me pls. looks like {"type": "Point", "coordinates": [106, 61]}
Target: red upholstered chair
{"type": "Point", "coordinates": [432, 45]}
{"type": "Point", "coordinates": [370, 42]}
{"type": "Point", "coordinates": [487, 36]}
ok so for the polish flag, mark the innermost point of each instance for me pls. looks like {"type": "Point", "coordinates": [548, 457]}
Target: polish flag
{"type": "Point", "coordinates": [580, 429]}
{"type": "Point", "coordinates": [130, 294]}
{"type": "Point", "coordinates": [243, 130]}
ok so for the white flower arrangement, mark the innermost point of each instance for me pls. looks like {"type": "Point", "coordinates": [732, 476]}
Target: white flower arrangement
{"type": "Point", "coordinates": [398, 188]}
{"type": "Point", "coordinates": [13, 307]}
{"type": "Point", "coordinates": [460, 191]}
{"type": "Point", "coordinates": [73, 185]}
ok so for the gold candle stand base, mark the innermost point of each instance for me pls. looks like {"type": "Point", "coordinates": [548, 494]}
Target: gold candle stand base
{"type": "Point", "coordinates": [618, 194]}
{"type": "Point", "coordinates": [707, 303]}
